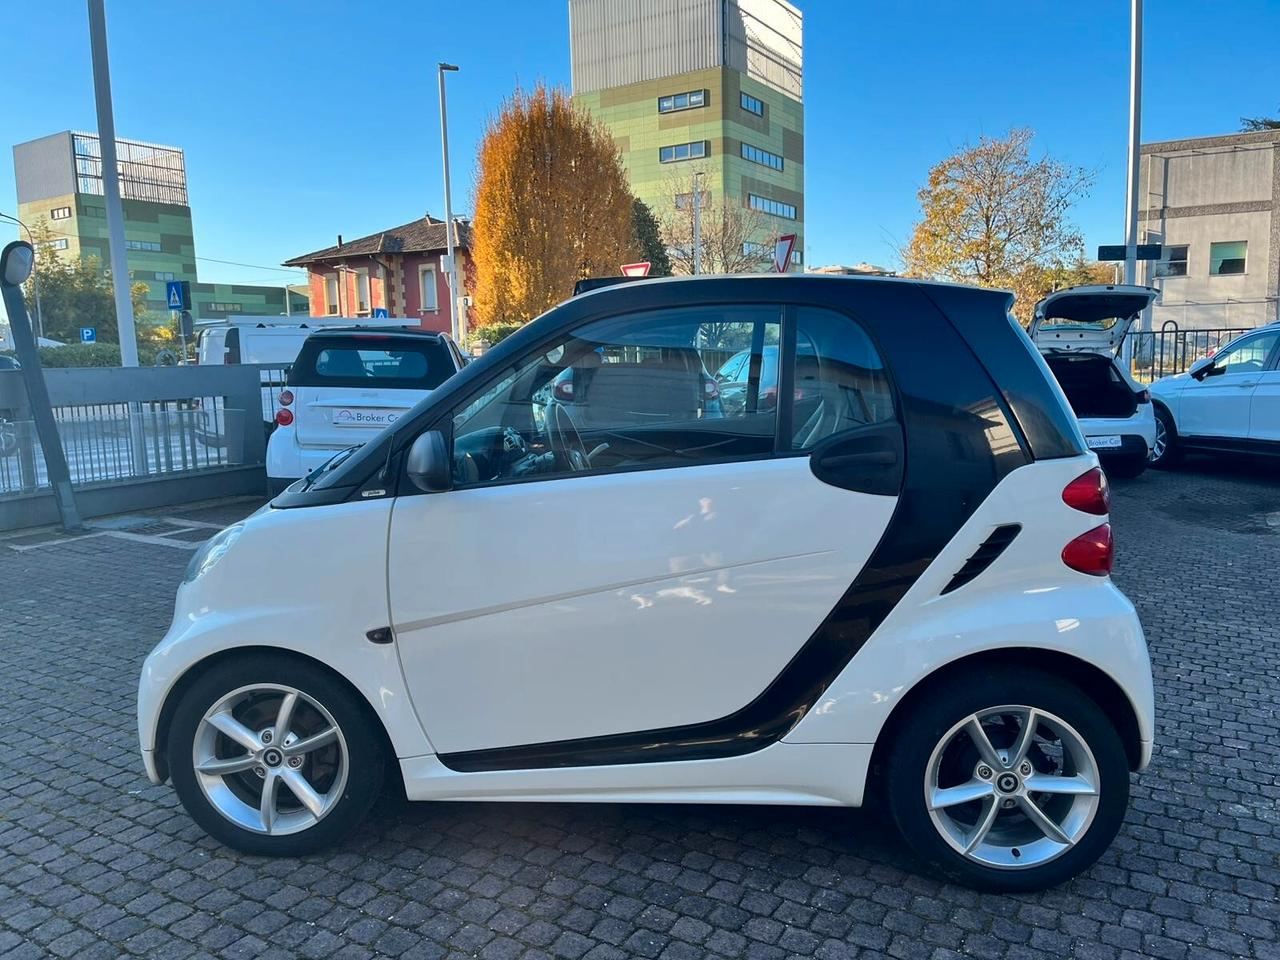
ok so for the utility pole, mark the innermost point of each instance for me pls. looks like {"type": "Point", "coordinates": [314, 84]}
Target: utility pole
{"type": "Point", "coordinates": [441, 69]}
{"type": "Point", "coordinates": [1135, 146]}
{"type": "Point", "coordinates": [697, 223]}
{"type": "Point", "coordinates": [111, 183]}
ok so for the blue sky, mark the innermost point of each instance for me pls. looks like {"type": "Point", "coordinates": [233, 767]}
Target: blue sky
{"type": "Point", "coordinates": [302, 119]}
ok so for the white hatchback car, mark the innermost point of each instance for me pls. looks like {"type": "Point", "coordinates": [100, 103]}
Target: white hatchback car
{"type": "Point", "coordinates": [347, 385]}
{"type": "Point", "coordinates": [1229, 402]}
{"type": "Point", "coordinates": [1080, 330]}
{"type": "Point", "coordinates": [888, 585]}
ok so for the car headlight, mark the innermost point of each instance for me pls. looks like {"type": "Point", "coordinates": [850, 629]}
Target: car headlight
{"type": "Point", "coordinates": [214, 549]}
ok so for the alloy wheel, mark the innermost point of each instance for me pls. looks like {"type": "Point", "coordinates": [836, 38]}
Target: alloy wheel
{"type": "Point", "coordinates": [1161, 441]}
{"type": "Point", "coordinates": [270, 759]}
{"type": "Point", "coordinates": [1012, 787]}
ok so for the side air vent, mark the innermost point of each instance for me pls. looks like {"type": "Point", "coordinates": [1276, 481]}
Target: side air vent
{"type": "Point", "coordinates": [985, 555]}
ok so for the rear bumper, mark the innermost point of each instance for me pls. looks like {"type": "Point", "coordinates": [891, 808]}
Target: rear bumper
{"type": "Point", "coordinates": [1137, 433]}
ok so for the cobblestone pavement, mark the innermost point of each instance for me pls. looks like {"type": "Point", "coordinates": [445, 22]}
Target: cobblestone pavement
{"type": "Point", "coordinates": [96, 862]}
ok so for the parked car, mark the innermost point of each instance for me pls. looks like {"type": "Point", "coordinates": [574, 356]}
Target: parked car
{"type": "Point", "coordinates": [1229, 402]}
{"type": "Point", "coordinates": [902, 601]}
{"type": "Point", "coordinates": [1079, 330]}
{"type": "Point", "coordinates": [345, 387]}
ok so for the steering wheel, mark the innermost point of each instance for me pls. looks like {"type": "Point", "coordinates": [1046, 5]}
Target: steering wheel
{"type": "Point", "coordinates": [565, 439]}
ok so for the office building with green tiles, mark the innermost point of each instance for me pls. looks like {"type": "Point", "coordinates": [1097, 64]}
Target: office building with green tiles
{"type": "Point", "coordinates": [707, 86]}
{"type": "Point", "coordinates": [59, 180]}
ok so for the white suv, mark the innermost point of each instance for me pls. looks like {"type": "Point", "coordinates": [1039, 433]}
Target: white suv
{"type": "Point", "coordinates": [1080, 330]}
{"type": "Point", "coordinates": [346, 386]}
{"type": "Point", "coordinates": [888, 584]}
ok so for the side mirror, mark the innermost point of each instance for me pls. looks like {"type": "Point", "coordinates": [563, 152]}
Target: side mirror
{"type": "Point", "coordinates": [428, 463]}
{"type": "Point", "coordinates": [1201, 368]}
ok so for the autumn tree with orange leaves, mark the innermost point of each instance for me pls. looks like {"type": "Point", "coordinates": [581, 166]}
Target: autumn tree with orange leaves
{"type": "Point", "coordinates": [552, 206]}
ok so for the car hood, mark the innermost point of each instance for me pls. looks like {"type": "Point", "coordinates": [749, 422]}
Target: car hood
{"type": "Point", "coordinates": [1091, 318]}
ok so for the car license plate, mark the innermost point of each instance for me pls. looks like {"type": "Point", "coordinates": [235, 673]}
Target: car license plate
{"type": "Point", "coordinates": [1102, 443]}
{"type": "Point", "coordinates": [362, 417]}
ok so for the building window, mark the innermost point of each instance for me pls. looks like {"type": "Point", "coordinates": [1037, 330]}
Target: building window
{"type": "Point", "coordinates": [164, 275]}
{"type": "Point", "coordinates": [149, 245]}
{"type": "Point", "coordinates": [331, 295]}
{"type": "Point", "coordinates": [53, 244]}
{"type": "Point", "coordinates": [773, 207]}
{"type": "Point", "coordinates": [684, 201]}
{"type": "Point", "coordinates": [362, 291]}
{"type": "Point", "coordinates": [92, 210]}
{"type": "Point", "coordinates": [226, 307]}
{"type": "Point", "coordinates": [1227, 257]}
{"type": "Point", "coordinates": [1174, 263]}
{"type": "Point", "coordinates": [427, 289]}
{"type": "Point", "coordinates": [683, 151]}
{"type": "Point", "coordinates": [60, 213]}
{"type": "Point", "coordinates": [682, 101]}
{"type": "Point", "coordinates": [752, 105]}
{"type": "Point", "coordinates": [762, 157]}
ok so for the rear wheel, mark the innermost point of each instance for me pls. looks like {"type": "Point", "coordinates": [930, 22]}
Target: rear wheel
{"type": "Point", "coordinates": [1164, 452]}
{"type": "Point", "coordinates": [272, 755]}
{"type": "Point", "coordinates": [1008, 780]}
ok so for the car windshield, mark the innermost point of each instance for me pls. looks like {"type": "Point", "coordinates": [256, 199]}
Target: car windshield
{"type": "Point", "coordinates": [399, 363]}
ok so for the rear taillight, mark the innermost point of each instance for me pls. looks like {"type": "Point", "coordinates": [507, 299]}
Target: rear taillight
{"type": "Point", "coordinates": [1092, 553]}
{"type": "Point", "coordinates": [286, 397]}
{"type": "Point", "coordinates": [710, 391]}
{"type": "Point", "coordinates": [284, 417]}
{"type": "Point", "coordinates": [1089, 493]}
{"type": "Point", "coordinates": [564, 390]}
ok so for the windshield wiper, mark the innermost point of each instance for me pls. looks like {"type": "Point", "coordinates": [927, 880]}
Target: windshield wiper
{"type": "Point", "coordinates": [331, 464]}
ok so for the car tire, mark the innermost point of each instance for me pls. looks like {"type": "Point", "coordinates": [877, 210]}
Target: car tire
{"type": "Point", "coordinates": [1125, 468]}
{"type": "Point", "coordinates": [1166, 452]}
{"type": "Point", "coordinates": [933, 751]}
{"type": "Point", "coordinates": [225, 751]}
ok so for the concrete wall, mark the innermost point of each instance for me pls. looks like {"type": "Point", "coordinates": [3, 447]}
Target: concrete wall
{"type": "Point", "coordinates": [1209, 190]}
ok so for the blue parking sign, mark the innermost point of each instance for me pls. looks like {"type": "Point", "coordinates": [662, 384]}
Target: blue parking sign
{"type": "Point", "coordinates": [88, 334]}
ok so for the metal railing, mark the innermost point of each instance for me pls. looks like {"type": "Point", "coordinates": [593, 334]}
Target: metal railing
{"type": "Point", "coordinates": [130, 428]}
{"type": "Point", "coordinates": [1170, 350]}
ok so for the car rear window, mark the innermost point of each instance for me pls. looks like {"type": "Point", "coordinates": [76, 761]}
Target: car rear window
{"type": "Point", "coordinates": [399, 363]}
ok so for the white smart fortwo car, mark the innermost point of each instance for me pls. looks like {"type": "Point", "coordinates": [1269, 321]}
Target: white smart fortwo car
{"type": "Point", "coordinates": [886, 583]}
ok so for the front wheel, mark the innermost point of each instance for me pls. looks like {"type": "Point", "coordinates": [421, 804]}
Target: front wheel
{"type": "Point", "coordinates": [1011, 780]}
{"type": "Point", "coordinates": [272, 755]}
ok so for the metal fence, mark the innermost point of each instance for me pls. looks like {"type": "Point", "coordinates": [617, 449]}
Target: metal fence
{"type": "Point", "coordinates": [150, 429]}
{"type": "Point", "coordinates": [1170, 350]}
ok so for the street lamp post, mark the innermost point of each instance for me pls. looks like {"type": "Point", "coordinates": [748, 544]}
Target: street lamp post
{"type": "Point", "coordinates": [35, 280]}
{"type": "Point", "coordinates": [1135, 147]}
{"type": "Point", "coordinates": [441, 69]}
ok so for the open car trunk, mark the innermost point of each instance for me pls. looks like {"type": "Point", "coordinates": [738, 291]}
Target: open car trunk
{"type": "Point", "coordinates": [1092, 384]}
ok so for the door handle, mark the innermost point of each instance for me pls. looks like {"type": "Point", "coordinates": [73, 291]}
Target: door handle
{"type": "Point", "coordinates": [1250, 383]}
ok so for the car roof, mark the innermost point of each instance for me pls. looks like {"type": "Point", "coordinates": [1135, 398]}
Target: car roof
{"type": "Point", "coordinates": [356, 333]}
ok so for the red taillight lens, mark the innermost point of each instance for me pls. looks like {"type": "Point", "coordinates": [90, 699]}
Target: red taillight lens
{"type": "Point", "coordinates": [710, 390]}
{"type": "Point", "coordinates": [284, 417]}
{"type": "Point", "coordinates": [286, 397]}
{"type": "Point", "coordinates": [564, 390]}
{"type": "Point", "coordinates": [1089, 493]}
{"type": "Point", "coordinates": [1092, 553]}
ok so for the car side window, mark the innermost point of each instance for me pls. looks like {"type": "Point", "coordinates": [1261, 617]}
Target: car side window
{"type": "Point", "coordinates": [1249, 356]}
{"type": "Point", "coordinates": [840, 380]}
{"type": "Point", "coordinates": [623, 393]}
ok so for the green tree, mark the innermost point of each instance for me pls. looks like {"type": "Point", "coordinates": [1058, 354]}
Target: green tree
{"type": "Point", "coordinates": [649, 239]}
{"type": "Point", "coordinates": [994, 216]}
{"type": "Point", "coordinates": [75, 293]}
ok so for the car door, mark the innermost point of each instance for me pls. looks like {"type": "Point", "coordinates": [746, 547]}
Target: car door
{"type": "Point", "coordinates": [1216, 401]}
{"type": "Point", "coordinates": [1264, 408]}
{"type": "Point", "coordinates": [562, 592]}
